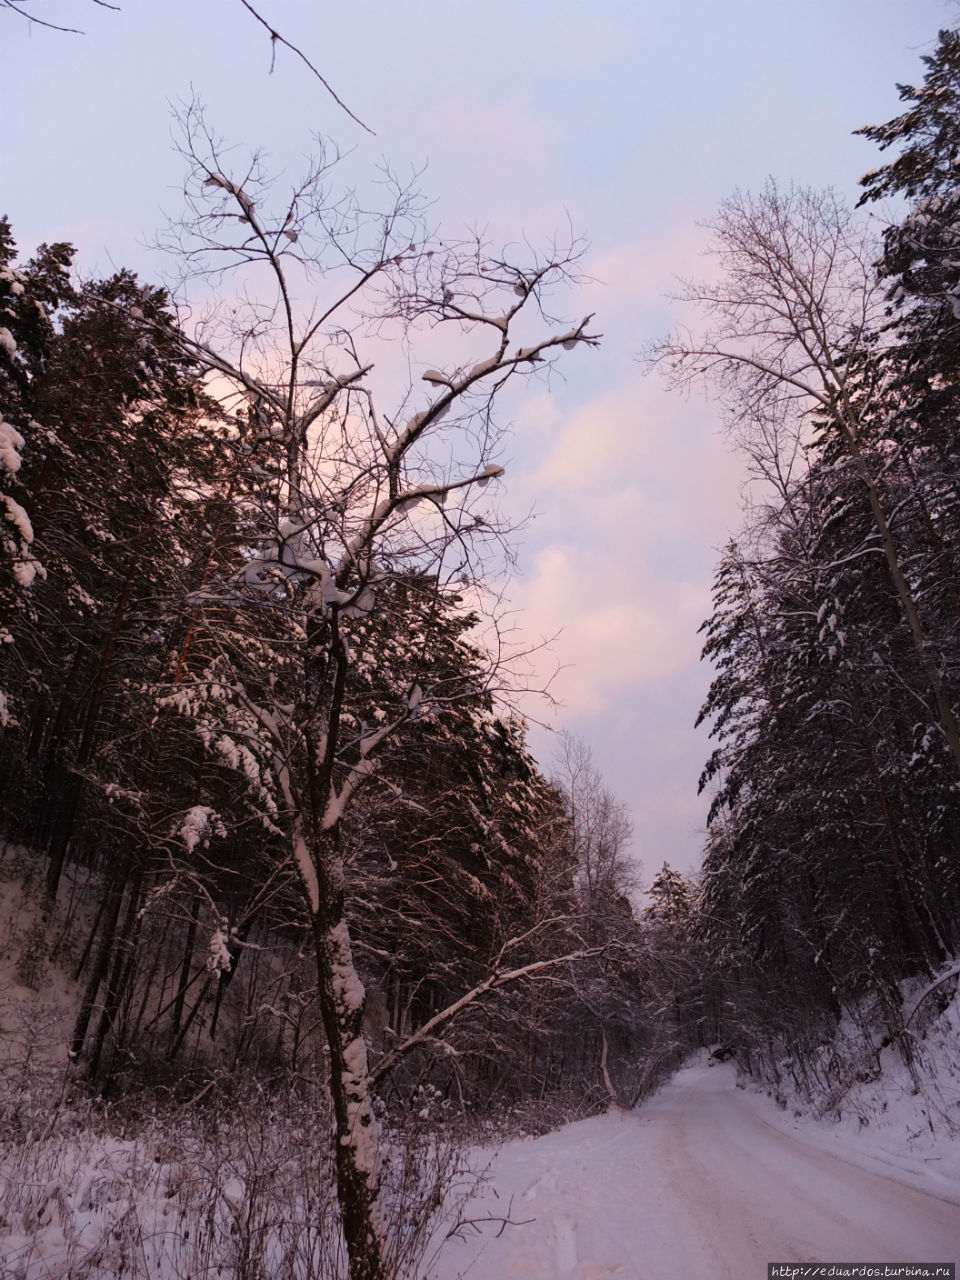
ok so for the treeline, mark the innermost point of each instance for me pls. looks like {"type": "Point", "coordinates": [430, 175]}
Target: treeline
{"type": "Point", "coordinates": [177, 659]}
{"type": "Point", "coordinates": [832, 870]}
{"type": "Point", "coordinates": [257, 744]}
{"type": "Point", "coordinates": [132, 769]}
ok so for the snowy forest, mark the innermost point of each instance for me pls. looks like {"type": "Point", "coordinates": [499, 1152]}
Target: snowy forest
{"type": "Point", "coordinates": [273, 834]}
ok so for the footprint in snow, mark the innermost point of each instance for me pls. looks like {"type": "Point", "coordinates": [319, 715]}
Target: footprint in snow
{"type": "Point", "coordinates": [564, 1244]}
{"type": "Point", "coordinates": [547, 1182]}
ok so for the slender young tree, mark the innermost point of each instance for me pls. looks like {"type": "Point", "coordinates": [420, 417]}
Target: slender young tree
{"type": "Point", "coordinates": [347, 498]}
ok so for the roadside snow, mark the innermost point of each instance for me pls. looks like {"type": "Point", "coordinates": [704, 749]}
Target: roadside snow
{"type": "Point", "coordinates": [898, 1119]}
{"type": "Point", "coordinates": [902, 1124]}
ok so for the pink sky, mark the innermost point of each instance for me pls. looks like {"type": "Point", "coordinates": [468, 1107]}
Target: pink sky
{"type": "Point", "coordinates": [631, 121]}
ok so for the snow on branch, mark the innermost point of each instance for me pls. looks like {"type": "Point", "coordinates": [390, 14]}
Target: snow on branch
{"type": "Point", "coordinates": [494, 982]}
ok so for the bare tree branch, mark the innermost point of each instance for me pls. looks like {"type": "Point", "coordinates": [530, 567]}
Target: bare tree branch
{"type": "Point", "coordinates": [21, 7]}
{"type": "Point", "coordinates": [496, 980]}
{"type": "Point", "coordinates": [276, 38]}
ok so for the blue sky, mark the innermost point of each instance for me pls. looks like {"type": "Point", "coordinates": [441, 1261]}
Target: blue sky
{"type": "Point", "coordinates": [632, 121]}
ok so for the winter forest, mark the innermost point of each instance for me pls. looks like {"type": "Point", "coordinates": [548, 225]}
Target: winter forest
{"type": "Point", "coordinates": [295, 920]}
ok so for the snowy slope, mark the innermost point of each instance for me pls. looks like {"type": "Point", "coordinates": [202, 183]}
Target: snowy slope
{"type": "Point", "coordinates": [871, 1102]}
{"type": "Point", "coordinates": [706, 1180]}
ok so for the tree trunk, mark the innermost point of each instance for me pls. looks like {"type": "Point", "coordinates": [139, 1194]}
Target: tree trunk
{"type": "Point", "coordinates": [191, 1017]}
{"type": "Point", "coordinates": [342, 999]}
{"type": "Point", "coordinates": [605, 1069]}
{"type": "Point", "coordinates": [184, 972]}
{"type": "Point", "coordinates": [61, 841]}
{"type": "Point", "coordinates": [121, 973]}
{"type": "Point", "coordinates": [85, 1012]}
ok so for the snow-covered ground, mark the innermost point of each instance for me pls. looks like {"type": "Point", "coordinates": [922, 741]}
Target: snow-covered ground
{"type": "Point", "coordinates": [706, 1181]}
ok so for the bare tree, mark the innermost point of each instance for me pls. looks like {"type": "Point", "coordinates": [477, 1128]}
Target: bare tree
{"type": "Point", "coordinates": [599, 830]}
{"type": "Point", "coordinates": [343, 498]}
{"type": "Point", "coordinates": [606, 877]}
{"type": "Point", "coordinates": [791, 323]}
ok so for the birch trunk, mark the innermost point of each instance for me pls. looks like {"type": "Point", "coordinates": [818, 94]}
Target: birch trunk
{"type": "Point", "coordinates": [342, 998]}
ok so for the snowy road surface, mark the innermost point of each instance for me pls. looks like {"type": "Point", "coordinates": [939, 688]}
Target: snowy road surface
{"type": "Point", "coordinates": [702, 1183]}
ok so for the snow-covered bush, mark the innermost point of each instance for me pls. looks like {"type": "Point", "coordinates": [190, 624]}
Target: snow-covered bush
{"type": "Point", "coordinates": [243, 1189]}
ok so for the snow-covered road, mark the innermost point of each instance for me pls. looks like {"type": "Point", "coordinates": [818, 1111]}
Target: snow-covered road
{"type": "Point", "coordinates": [705, 1182]}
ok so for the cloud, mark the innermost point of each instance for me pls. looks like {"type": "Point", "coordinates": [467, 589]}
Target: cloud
{"type": "Point", "coordinates": [635, 490]}
{"type": "Point", "coordinates": [637, 276]}
{"type": "Point", "coordinates": [615, 627]}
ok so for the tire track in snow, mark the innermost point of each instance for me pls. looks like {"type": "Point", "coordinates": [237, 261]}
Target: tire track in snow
{"type": "Point", "coordinates": [696, 1184]}
{"type": "Point", "coordinates": [772, 1197]}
